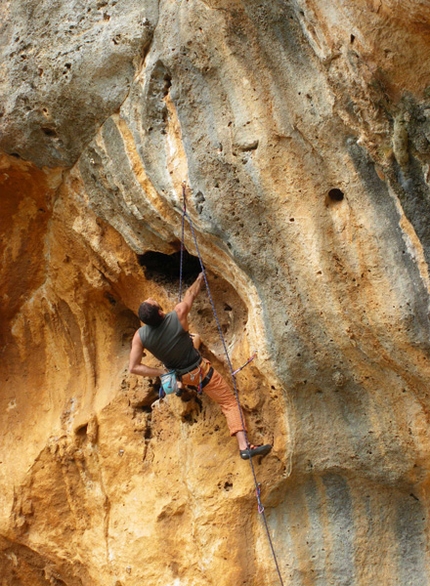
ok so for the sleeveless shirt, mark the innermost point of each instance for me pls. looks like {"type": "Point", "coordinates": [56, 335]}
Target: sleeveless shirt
{"type": "Point", "coordinates": [170, 343]}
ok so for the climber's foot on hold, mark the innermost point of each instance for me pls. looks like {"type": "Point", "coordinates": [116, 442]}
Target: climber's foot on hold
{"type": "Point", "coordinates": [252, 451]}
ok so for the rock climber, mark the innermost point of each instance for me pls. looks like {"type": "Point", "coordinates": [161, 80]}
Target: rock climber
{"type": "Point", "coordinates": [166, 336]}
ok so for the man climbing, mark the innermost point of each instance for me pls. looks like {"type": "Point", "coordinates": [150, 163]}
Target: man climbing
{"type": "Point", "coordinates": [166, 336]}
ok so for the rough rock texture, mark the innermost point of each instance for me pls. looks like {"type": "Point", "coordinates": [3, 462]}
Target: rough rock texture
{"type": "Point", "coordinates": [302, 129]}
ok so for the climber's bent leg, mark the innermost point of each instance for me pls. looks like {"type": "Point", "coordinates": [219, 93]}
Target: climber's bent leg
{"type": "Point", "coordinates": [219, 391]}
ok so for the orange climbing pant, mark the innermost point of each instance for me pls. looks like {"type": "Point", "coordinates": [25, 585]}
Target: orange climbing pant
{"type": "Point", "coordinates": [218, 390]}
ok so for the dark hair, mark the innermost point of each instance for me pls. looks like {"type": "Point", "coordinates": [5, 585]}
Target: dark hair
{"type": "Point", "coordinates": [150, 314]}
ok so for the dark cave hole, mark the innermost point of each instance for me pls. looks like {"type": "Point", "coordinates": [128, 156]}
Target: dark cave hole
{"type": "Point", "coordinates": [336, 194]}
{"type": "Point", "coordinates": [49, 131]}
{"type": "Point", "coordinates": [165, 268]}
{"type": "Point", "coordinates": [167, 84]}
{"type": "Point", "coordinates": [82, 430]}
{"type": "Point", "coordinates": [145, 408]}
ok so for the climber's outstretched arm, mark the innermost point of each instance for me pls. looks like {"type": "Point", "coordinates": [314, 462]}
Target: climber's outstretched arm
{"type": "Point", "coordinates": [184, 307]}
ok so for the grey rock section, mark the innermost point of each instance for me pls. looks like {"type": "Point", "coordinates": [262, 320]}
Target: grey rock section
{"type": "Point", "coordinates": [65, 68]}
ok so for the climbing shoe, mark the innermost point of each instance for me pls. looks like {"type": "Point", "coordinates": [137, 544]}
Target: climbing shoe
{"type": "Point", "coordinates": [255, 451]}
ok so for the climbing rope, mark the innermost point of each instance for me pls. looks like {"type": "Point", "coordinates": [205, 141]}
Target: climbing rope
{"type": "Point", "coordinates": [233, 373]}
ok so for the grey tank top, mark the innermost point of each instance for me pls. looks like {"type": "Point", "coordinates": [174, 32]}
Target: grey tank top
{"type": "Point", "coordinates": [170, 343]}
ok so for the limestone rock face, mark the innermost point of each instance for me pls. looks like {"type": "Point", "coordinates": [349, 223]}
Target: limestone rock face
{"type": "Point", "coordinates": [302, 131]}
{"type": "Point", "coordinates": [66, 67]}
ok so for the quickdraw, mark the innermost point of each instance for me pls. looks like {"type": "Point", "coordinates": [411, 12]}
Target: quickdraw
{"type": "Point", "coordinates": [258, 494]}
{"type": "Point", "coordinates": [250, 359]}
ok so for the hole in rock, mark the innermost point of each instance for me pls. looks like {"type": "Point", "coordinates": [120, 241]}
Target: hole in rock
{"type": "Point", "coordinates": [82, 431]}
{"type": "Point", "coordinates": [145, 408]}
{"type": "Point", "coordinates": [189, 418]}
{"type": "Point", "coordinates": [167, 84]}
{"type": "Point", "coordinates": [110, 298]}
{"type": "Point", "coordinates": [49, 131]}
{"type": "Point", "coordinates": [164, 268]}
{"type": "Point", "coordinates": [335, 194]}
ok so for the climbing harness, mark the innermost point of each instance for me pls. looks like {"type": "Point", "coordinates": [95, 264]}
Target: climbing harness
{"type": "Point", "coordinates": [233, 373]}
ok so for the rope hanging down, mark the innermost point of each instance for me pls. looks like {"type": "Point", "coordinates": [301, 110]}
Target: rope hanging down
{"type": "Point", "coordinates": [230, 366]}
